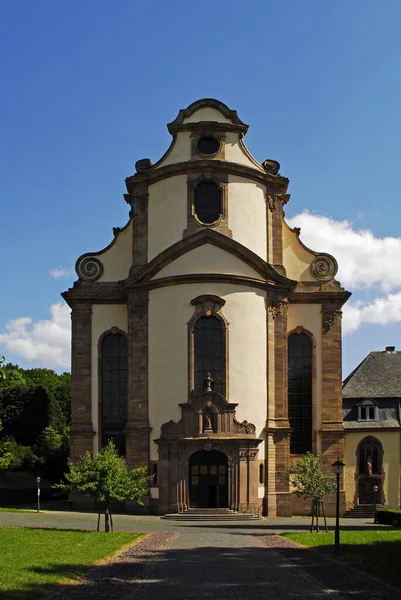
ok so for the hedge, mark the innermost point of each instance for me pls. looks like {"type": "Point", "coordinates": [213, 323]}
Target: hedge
{"type": "Point", "coordinates": [389, 516]}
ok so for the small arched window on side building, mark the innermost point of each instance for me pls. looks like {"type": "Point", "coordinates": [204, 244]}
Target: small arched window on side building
{"type": "Point", "coordinates": [208, 206]}
{"type": "Point", "coordinates": [370, 456]}
{"type": "Point", "coordinates": [114, 371]}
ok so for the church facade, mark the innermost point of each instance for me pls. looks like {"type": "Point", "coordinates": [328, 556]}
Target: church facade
{"type": "Point", "coordinates": [206, 338]}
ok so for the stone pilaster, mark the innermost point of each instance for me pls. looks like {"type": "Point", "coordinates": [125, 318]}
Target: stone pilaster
{"type": "Point", "coordinates": [138, 199]}
{"type": "Point", "coordinates": [275, 203]}
{"type": "Point", "coordinates": [137, 429]}
{"type": "Point", "coordinates": [277, 426]}
{"type": "Point", "coordinates": [82, 432]}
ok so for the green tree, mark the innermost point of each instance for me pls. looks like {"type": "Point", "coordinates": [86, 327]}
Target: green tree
{"type": "Point", "coordinates": [106, 477]}
{"type": "Point", "coordinates": [308, 480]}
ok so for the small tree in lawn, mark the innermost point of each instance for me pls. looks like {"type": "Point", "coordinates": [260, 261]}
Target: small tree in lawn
{"type": "Point", "coordinates": [106, 477]}
{"type": "Point", "coordinates": [308, 480]}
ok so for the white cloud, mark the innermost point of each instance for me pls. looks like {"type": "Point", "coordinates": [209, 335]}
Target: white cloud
{"type": "Point", "coordinates": [59, 272]}
{"type": "Point", "coordinates": [365, 262]}
{"type": "Point", "coordinates": [363, 259]}
{"type": "Point", "coordinates": [46, 342]}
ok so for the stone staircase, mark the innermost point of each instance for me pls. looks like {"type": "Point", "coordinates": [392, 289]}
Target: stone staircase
{"type": "Point", "coordinates": [210, 514]}
{"type": "Point", "coordinates": [362, 511]}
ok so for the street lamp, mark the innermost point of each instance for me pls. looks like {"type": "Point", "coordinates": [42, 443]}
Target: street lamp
{"type": "Point", "coordinates": [375, 490]}
{"type": "Point", "coordinates": [38, 482]}
{"type": "Point", "coordinates": [338, 469]}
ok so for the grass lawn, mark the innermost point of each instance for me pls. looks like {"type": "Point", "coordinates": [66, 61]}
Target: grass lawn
{"type": "Point", "coordinates": [25, 510]}
{"type": "Point", "coordinates": [377, 552]}
{"type": "Point", "coordinates": [34, 561]}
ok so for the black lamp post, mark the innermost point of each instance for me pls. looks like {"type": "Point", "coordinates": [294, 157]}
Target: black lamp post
{"type": "Point", "coordinates": [375, 490]}
{"type": "Point", "coordinates": [38, 482]}
{"type": "Point", "coordinates": [338, 468]}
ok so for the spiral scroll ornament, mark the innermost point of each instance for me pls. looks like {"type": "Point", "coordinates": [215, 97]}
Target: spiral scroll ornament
{"type": "Point", "coordinates": [89, 268]}
{"type": "Point", "coordinates": [324, 267]}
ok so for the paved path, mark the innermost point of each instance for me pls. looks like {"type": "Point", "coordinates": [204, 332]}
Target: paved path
{"type": "Point", "coordinates": [214, 565]}
{"type": "Point", "coordinates": [79, 520]}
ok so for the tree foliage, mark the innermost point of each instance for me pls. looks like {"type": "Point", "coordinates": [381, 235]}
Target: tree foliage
{"type": "Point", "coordinates": [106, 477]}
{"type": "Point", "coordinates": [35, 408]}
{"type": "Point", "coordinates": [307, 478]}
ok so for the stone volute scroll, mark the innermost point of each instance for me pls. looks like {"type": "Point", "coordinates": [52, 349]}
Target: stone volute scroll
{"type": "Point", "coordinates": [324, 267]}
{"type": "Point", "coordinates": [89, 268]}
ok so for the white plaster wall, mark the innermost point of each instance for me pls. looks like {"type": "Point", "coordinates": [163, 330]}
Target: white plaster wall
{"type": "Point", "coordinates": [234, 153]}
{"type": "Point", "coordinates": [309, 317]}
{"type": "Point", "coordinates": [167, 216]}
{"type": "Point", "coordinates": [207, 114]}
{"type": "Point", "coordinates": [117, 260]}
{"type": "Point", "coordinates": [169, 312]}
{"type": "Point", "coordinates": [104, 317]}
{"type": "Point", "coordinates": [181, 150]}
{"type": "Point", "coordinates": [247, 214]}
{"type": "Point", "coordinates": [296, 258]}
{"type": "Point", "coordinates": [208, 259]}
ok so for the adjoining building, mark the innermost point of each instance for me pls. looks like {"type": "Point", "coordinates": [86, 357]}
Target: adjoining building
{"type": "Point", "coordinates": [372, 427]}
{"type": "Point", "coordinates": [206, 338]}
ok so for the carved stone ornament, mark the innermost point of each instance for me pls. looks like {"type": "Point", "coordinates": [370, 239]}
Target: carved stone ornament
{"type": "Point", "coordinates": [276, 199]}
{"type": "Point", "coordinates": [89, 268]}
{"type": "Point", "coordinates": [208, 304]}
{"type": "Point", "coordinates": [275, 307]}
{"type": "Point", "coordinates": [324, 267]}
{"type": "Point", "coordinates": [329, 318]}
{"type": "Point", "coordinates": [244, 427]}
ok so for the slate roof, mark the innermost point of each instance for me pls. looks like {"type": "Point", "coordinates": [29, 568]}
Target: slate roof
{"type": "Point", "coordinates": [377, 376]}
{"type": "Point", "coordinates": [388, 412]}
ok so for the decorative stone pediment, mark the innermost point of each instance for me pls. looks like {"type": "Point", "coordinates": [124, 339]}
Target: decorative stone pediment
{"type": "Point", "coordinates": [210, 414]}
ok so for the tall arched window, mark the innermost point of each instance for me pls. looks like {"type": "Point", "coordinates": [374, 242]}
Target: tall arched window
{"type": "Point", "coordinates": [208, 203]}
{"type": "Point", "coordinates": [114, 390]}
{"type": "Point", "coordinates": [209, 354]}
{"type": "Point", "coordinates": [370, 456]}
{"type": "Point", "coordinates": [300, 392]}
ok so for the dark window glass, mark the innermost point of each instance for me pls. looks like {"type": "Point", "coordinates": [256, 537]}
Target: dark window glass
{"type": "Point", "coordinates": [261, 474]}
{"type": "Point", "coordinates": [208, 202]}
{"type": "Point", "coordinates": [372, 413]}
{"type": "Point", "coordinates": [209, 354]}
{"type": "Point", "coordinates": [114, 390]}
{"type": "Point", "coordinates": [208, 145]}
{"type": "Point", "coordinates": [300, 392]}
{"type": "Point", "coordinates": [369, 457]}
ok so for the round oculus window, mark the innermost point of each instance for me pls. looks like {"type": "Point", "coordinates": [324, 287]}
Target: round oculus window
{"type": "Point", "coordinates": [208, 145]}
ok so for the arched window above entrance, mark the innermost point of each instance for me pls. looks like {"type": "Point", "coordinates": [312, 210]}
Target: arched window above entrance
{"type": "Point", "coordinates": [114, 368]}
{"type": "Point", "coordinates": [209, 355]}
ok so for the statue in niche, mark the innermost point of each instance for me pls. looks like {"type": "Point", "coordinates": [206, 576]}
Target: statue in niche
{"type": "Point", "coordinates": [208, 383]}
{"type": "Point", "coordinates": [207, 416]}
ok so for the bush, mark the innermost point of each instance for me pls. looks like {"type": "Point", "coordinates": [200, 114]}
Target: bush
{"type": "Point", "coordinates": [389, 516]}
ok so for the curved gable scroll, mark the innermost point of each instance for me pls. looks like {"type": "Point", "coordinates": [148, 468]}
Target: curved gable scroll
{"type": "Point", "coordinates": [208, 236]}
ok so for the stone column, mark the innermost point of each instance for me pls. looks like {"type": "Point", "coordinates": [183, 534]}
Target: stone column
{"type": "Point", "coordinates": [278, 498]}
{"type": "Point", "coordinates": [82, 432]}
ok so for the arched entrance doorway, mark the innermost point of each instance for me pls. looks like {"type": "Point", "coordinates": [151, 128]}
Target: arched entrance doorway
{"type": "Point", "coordinates": [208, 472]}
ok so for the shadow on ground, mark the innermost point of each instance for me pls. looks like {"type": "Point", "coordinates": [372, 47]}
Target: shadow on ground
{"type": "Point", "coordinates": [268, 571]}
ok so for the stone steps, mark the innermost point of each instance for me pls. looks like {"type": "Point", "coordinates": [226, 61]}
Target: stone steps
{"type": "Point", "coordinates": [362, 511]}
{"type": "Point", "coordinates": [210, 514]}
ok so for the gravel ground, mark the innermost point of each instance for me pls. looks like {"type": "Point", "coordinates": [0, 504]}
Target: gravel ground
{"type": "Point", "coordinates": [112, 579]}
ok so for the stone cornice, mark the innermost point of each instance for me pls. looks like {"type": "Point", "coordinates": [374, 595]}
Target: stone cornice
{"type": "Point", "coordinates": [209, 236]}
{"type": "Point", "coordinates": [96, 293]}
{"type": "Point", "coordinates": [153, 175]}
{"type": "Point", "coordinates": [334, 299]}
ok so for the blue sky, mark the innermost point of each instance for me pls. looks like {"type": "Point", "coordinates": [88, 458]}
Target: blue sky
{"type": "Point", "coordinates": [88, 88]}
